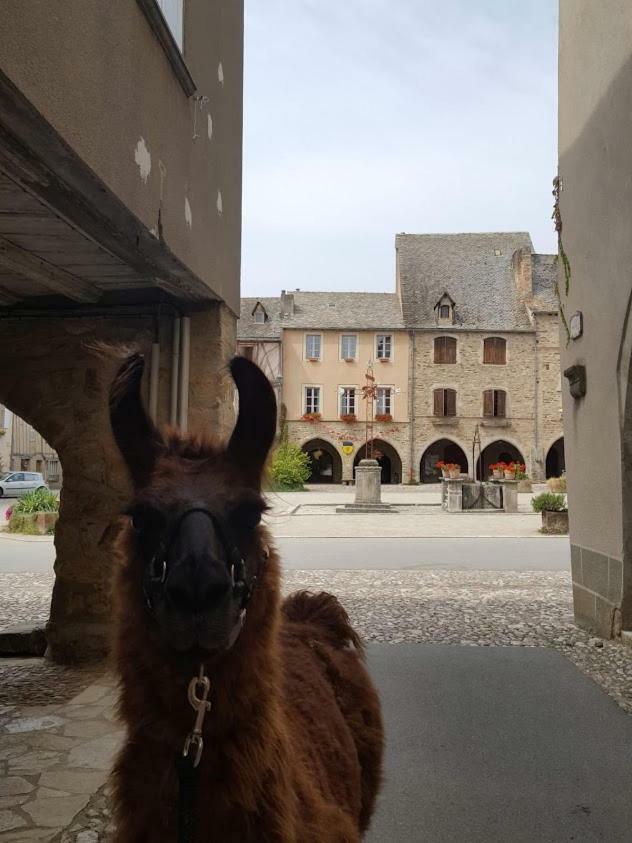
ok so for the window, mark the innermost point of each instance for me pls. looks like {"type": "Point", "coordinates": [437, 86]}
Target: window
{"type": "Point", "coordinates": [348, 346]}
{"type": "Point", "coordinates": [172, 12]}
{"type": "Point", "coordinates": [312, 399]}
{"type": "Point", "coordinates": [495, 351]}
{"type": "Point", "coordinates": [260, 317]}
{"type": "Point", "coordinates": [312, 346]}
{"type": "Point", "coordinates": [384, 345]}
{"type": "Point", "coordinates": [348, 401]}
{"type": "Point", "coordinates": [444, 402]}
{"type": "Point", "coordinates": [247, 351]}
{"type": "Point", "coordinates": [384, 402]}
{"type": "Point", "coordinates": [494, 403]}
{"type": "Point", "coordinates": [444, 311]}
{"type": "Point", "coordinates": [445, 350]}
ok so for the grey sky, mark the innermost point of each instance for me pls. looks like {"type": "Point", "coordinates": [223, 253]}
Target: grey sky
{"type": "Point", "coordinates": [370, 117]}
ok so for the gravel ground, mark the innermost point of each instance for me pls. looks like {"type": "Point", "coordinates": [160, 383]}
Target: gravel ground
{"type": "Point", "coordinates": [469, 608]}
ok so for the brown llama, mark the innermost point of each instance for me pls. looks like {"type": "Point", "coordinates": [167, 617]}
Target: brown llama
{"type": "Point", "coordinates": [288, 723]}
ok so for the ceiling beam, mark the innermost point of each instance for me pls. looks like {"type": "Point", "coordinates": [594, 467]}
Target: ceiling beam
{"type": "Point", "coordinates": [18, 260]}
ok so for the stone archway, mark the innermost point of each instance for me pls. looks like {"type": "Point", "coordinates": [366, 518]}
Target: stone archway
{"type": "Point", "coordinates": [388, 459]}
{"type": "Point", "coordinates": [555, 459]}
{"type": "Point", "coordinates": [442, 449]}
{"type": "Point", "coordinates": [498, 451]}
{"type": "Point", "coordinates": [326, 463]}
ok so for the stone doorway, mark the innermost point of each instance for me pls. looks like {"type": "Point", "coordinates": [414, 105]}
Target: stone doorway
{"type": "Point", "coordinates": [388, 459]}
{"type": "Point", "coordinates": [326, 463]}
{"type": "Point", "coordinates": [555, 462]}
{"type": "Point", "coordinates": [499, 451]}
{"type": "Point", "coordinates": [443, 449]}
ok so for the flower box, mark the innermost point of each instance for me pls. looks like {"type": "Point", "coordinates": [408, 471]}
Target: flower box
{"type": "Point", "coordinates": [384, 359]}
{"type": "Point", "coordinates": [348, 417]}
{"type": "Point", "coordinates": [311, 417]}
{"type": "Point", "coordinates": [313, 359]}
{"type": "Point", "coordinates": [383, 417]}
{"type": "Point", "coordinates": [349, 359]}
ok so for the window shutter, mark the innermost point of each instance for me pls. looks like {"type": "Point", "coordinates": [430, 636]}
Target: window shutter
{"type": "Point", "coordinates": [438, 402]}
{"type": "Point", "coordinates": [450, 402]}
{"type": "Point", "coordinates": [500, 403]}
{"type": "Point", "coordinates": [439, 345]}
{"type": "Point", "coordinates": [488, 402]}
{"type": "Point", "coordinates": [450, 350]}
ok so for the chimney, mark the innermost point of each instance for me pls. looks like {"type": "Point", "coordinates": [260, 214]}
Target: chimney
{"type": "Point", "coordinates": [287, 304]}
{"type": "Point", "coordinates": [522, 266]}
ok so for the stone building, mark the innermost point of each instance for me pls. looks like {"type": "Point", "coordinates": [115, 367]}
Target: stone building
{"type": "Point", "coordinates": [120, 224]}
{"type": "Point", "coordinates": [471, 333]}
{"type": "Point", "coordinates": [327, 341]}
{"type": "Point", "coordinates": [595, 205]}
{"type": "Point", "coordinates": [29, 451]}
{"type": "Point", "coordinates": [481, 314]}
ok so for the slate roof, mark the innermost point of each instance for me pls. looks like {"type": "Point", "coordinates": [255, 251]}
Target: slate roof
{"type": "Point", "coordinates": [322, 311]}
{"type": "Point", "coordinates": [465, 266]}
{"type": "Point", "coordinates": [544, 277]}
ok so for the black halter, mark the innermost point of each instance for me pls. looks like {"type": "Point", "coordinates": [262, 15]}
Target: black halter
{"type": "Point", "coordinates": [155, 573]}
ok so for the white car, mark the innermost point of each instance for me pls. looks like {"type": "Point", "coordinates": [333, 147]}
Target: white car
{"type": "Point", "coordinates": [16, 483]}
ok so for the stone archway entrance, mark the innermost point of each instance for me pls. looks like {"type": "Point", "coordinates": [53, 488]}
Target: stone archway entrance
{"type": "Point", "coordinates": [388, 459]}
{"type": "Point", "coordinates": [443, 449]}
{"type": "Point", "coordinates": [555, 461]}
{"type": "Point", "coordinates": [326, 463]}
{"type": "Point", "coordinates": [499, 451]}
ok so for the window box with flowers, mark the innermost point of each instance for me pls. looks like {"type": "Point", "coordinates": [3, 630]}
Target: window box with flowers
{"type": "Point", "coordinates": [452, 470]}
{"type": "Point", "coordinates": [311, 417]}
{"type": "Point", "coordinates": [348, 417]}
{"type": "Point", "coordinates": [383, 417]}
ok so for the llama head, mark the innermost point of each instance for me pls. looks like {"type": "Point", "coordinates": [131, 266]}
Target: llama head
{"type": "Point", "coordinates": [197, 549]}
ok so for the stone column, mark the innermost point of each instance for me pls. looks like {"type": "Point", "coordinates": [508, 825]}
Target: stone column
{"type": "Point", "coordinates": [510, 495]}
{"type": "Point", "coordinates": [454, 494]}
{"type": "Point", "coordinates": [368, 489]}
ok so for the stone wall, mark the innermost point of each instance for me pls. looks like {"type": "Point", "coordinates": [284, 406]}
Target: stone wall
{"type": "Point", "coordinates": [65, 396]}
{"type": "Point", "coordinates": [549, 405]}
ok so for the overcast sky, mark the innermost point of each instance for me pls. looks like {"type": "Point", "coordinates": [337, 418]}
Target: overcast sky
{"type": "Point", "coordinates": [364, 118]}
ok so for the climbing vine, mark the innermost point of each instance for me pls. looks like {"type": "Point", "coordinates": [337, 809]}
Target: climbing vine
{"type": "Point", "coordinates": [561, 255]}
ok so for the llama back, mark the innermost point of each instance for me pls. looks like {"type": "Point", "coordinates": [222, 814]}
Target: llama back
{"type": "Point", "coordinates": [327, 614]}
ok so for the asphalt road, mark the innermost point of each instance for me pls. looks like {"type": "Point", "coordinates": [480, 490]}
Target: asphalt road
{"type": "Point", "coordinates": [506, 554]}
{"type": "Point", "coordinates": [497, 744]}
{"type": "Point", "coordinates": [542, 553]}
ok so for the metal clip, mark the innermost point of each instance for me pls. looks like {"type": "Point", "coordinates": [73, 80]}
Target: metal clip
{"type": "Point", "coordinates": [200, 705]}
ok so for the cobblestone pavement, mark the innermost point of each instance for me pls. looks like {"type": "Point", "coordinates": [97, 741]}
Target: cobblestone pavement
{"type": "Point", "coordinates": [54, 757]}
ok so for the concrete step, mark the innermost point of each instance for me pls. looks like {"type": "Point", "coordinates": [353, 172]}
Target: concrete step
{"type": "Point", "coordinates": [23, 639]}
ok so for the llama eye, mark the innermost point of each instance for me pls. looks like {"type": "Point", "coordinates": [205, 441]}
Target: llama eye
{"type": "Point", "coordinates": [245, 517]}
{"type": "Point", "coordinates": [145, 519]}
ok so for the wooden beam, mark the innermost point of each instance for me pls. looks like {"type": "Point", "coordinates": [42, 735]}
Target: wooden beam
{"type": "Point", "coordinates": [52, 277]}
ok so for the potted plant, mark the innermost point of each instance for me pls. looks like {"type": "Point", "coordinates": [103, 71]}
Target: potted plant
{"type": "Point", "coordinates": [383, 417]}
{"type": "Point", "coordinates": [441, 466]}
{"type": "Point", "coordinates": [348, 417]}
{"type": "Point", "coordinates": [524, 482]}
{"type": "Point", "coordinates": [311, 417]}
{"type": "Point", "coordinates": [554, 512]}
{"type": "Point", "coordinates": [509, 471]}
{"type": "Point", "coordinates": [497, 469]}
{"type": "Point", "coordinates": [454, 470]}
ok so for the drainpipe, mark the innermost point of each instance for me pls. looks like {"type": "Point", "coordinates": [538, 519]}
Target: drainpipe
{"type": "Point", "coordinates": [183, 386]}
{"type": "Point", "coordinates": [175, 372]}
{"type": "Point", "coordinates": [536, 405]}
{"type": "Point", "coordinates": [154, 374]}
{"type": "Point", "coordinates": [411, 406]}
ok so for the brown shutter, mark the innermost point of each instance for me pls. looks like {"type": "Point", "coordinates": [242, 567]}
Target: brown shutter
{"type": "Point", "coordinates": [450, 350]}
{"type": "Point", "coordinates": [438, 349]}
{"type": "Point", "coordinates": [488, 402]}
{"type": "Point", "coordinates": [500, 403]}
{"type": "Point", "coordinates": [450, 402]}
{"type": "Point", "coordinates": [438, 402]}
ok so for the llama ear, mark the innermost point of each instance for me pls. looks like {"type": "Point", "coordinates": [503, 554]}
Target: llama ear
{"type": "Point", "coordinates": [136, 435]}
{"type": "Point", "coordinates": [256, 423]}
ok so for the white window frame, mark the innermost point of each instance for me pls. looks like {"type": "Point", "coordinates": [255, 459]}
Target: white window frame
{"type": "Point", "coordinates": [320, 398]}
{"type": "Point", "coordinates": [260, 316]}
{"type": "Point", "coordinates": [392, 346]}
{"type": "Point", "coordinates": [348, 356]}
{"type": "Point", "coordinates": [391, 388]}
{"type": "Point", "coordinates": [320, 345]}
{"type": "Point", "coordinates": [173, 13]}
{"type": "Point", "coordinates": [341, 399]}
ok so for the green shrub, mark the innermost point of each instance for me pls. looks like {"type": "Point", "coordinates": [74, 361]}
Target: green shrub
{"type": "Point", "coordinates": [289, 468]}
{"type": "Point", "coordinates": [21, 523]}
{"type": "Point", "coordinates": [548, 500]}
{"type": "Point", "coordinates": [40, 500]}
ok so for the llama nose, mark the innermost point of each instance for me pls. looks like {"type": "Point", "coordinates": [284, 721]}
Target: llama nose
{"type": "Point", "coordinates": [198, 587]}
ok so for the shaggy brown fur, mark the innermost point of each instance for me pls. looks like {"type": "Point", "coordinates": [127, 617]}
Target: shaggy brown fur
{"type": "Point", "coordinates": [293, 743]}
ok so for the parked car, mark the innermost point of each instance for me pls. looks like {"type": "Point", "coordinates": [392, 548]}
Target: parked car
{"type": "Point", "coordinates": [16, 483]}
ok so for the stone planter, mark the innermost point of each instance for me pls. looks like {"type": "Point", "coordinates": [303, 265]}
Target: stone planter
{"type": "Point", "coordinates": [554, 521]}
{"type": "Point", "coordinates": [509, 475]}
{"type": "Point", "coordinates": [497, 475]}
{"type": "Point", "coordinates": [454, 474]}
{"type": "Point", "coordinates": [39, 523]}
{"type": "Point", "coordinates": [525, 485]}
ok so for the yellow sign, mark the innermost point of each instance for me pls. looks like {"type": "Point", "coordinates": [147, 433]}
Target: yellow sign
{"type": "Point", "coordinates": [347, 448]}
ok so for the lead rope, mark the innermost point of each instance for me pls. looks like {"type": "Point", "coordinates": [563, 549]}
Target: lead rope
{"type": "Point", "coordinates": [198, 691]}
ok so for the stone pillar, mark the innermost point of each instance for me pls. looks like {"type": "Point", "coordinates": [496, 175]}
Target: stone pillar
{"type": "Point", "coordinates": [368, 489]}
{"type": "Point", "coordinates": [454, 494]}
{"type": "Point", "coordinates": [510, 495]}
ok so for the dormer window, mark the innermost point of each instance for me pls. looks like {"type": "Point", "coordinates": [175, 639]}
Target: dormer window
{"type": "Point", "coordinates": [445, 310]}
{"type": "Point", "coordinates": [259, 314]}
